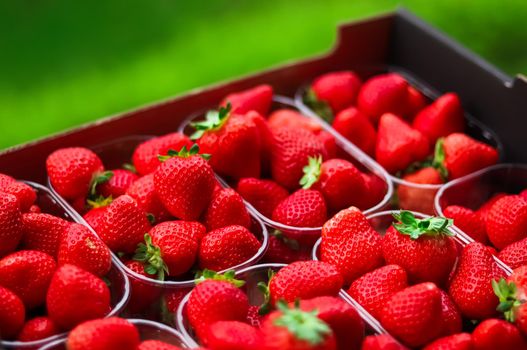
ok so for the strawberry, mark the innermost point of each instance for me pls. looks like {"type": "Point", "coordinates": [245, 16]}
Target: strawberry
{"type": "Point", "coordinates": [145, 157]}
{"type": "Point", "coordinates": [231, 335]}
{"type": "Point", "coordinates": [303, 208]}
{"type": "Point", "coordinates": [507, 221]}
{"type": "Point", "coordinates": [339, 181]}
{"type": "Point", "coordinates": [263, 195]}
{"type": "Point", "coordinates": [12, 313]}
{"type": "Point", "coordinates": [451, 318]}
{"type": "Point", "coordinates": [80, 247]}
{"type": "Point", "coordinates": [416, 101]}
{"type": "Point", "coordinates": [464, 155]}
{"type": "Point", "coordinates": [519, 277]}
{"type": "Point", "coordinates": [172, 298]}
{"type": "Point", "coordinates": [257, 99]}
{"type": "Point", "coordinates": [524, 194]}
{"type": "Point", "coordinates": [226, 208]}
{"type": "Point", "coordinates": [376, 189]}
{"type": "Point", "coordinates": [108, 333]}
{"type": "Point", "coordinates": [27, 273]}
{"type": "Point", "coordinates": [38, 328]}
{"type": "Point", "coordinates": [468, 221]}
{"type": "Point", "coordinates": [290, 118]}
{"type": "Point", "coordinates": [143, 191]}
{"type": "Point", "coordinates": [460, 341]}
{"type": "Point", "coordinates": [10, 223]}
{"type": "Point", "coordinates": [357, 128]}
{"type": "Point", "coordinates": [94, 216]}
{"type": "Point", "coordinates": [266, 138]}
{"type": "Point", "coordinates": [123, 225]}
{"type": "Point", "coordinates": [471, 288]}
{"type": "Point", "coordinates": [424, 248]}
{"type": "Point", "coordinates": [512, 302]}
{"type": "Point", "coordinates": [497, 334]}
{"type": "Point", "coordinates": [350, 244]}
{"type": "Point", "coordinates": [24, 193]}
{"type": "Point", "coordinates": [157, 345]}
{"type": "Point", "coordinates": [227, 247]}
{"type": "Point", "coordinates": [515, 254]}
{"type": "Point", "coordinates": [417, 198]}
{"type": "Point", "coordinates": [374, 288]}
{"type": "Point", "coordinates": [184, 184]}
{"type": "Point", "coordinates": [485, 208]}
{"type": "Point", "coordinates": [520, 318]}
{"type": "Point", "coordinates": [71, 171]}
{"type": "Point", "coordinates": [329, 142]}
{"type": "Point", "coordinates": [441, 118]}
{"type": "Point", "coordinates": [411, 314]}
{"type": "Point", "coordinates": [381, 342]}
{"type": "Point", "coordinates": [290, 153]}
{"type": "Point", "coordinates": [118, 184]}
{"type": "Point", "coordinates": [233, 142]}
{"type": "Point", "coordinates": [75, 295]}
{"type": "Point", "coordinates": [43, 232]}
{"type": "Point", "coordinates": [284, 250]}
{"type": "Point", "coordinates": [35, 209]}
{"type": "Point", "coordinates": [253, 316]}
{"type": "Point", "coordinates": [398, 145]}
{"type": "Point", "coordinates": [142, 295]}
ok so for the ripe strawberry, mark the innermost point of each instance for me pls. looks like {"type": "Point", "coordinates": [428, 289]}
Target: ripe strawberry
{"type": "Point", "coordinates": [24, 193]}
{"type": "Point", "coordinates": [75, 295]}
{"type": "Point", "coordinates": [231, 335]}
{"type": "Point", "coordinates": [519, 277]}
{"type": "Point", "coordinates": [142, 295]}
{"type": "Point", "coordinates": [515, 254]}
{"type": "Point", "coordinates": [27, 273]}
{"type": "Point", "coordinates": [468, 221]}
{"type": "Point", "coordinates": [184, 184]}
{"type": "Point", "coordinates": [290, 118]}
{"type": "Point", "coordinates": [108, 333]}
{"type": "Point", "coordinates": [441, 118]}
{"type": "Point", "coordinates": [257, 99]}
{"type": "Point", "coordinates": [94, 216]}
{"type": "Point", "coordinates": [451, 318]}
{"type": "Point", "coordinates": [460, 341]}
{"type": "Point", "coordinates": [156, 345]}
{"type": "Point", "coordinates": [497, 334]}
{"type": "Point", "coordinates": [417, 198]}
{"type": "Point", "coordinates": [80, 247]}
{"type": "Point", "coordinates": [416, 101]}
{"type": "Point", "coordinates": [227, 247]}
{"type": "Point", "coordinates": [10, 223]}
{"type": "Point", "coordinates": [123, 225]}
{"type": "Point", "coordinates": [424, 248]}
{"type": "Point", "coordinates": [284, 250]}
{"type": "Point", "coordinates": [512, 302]}
{"type": "Point", "coordinates": [507, 221]}
{"type": "Point", "coordinates": [12, 313]}
{"type": "Point", "coordinates": [71, 171]}
{"type": "Point", "coordinates": [303, 208]}
{"type": "Point", "coordinates": [143, 191]}
{"type": "Point", "coordinates": [520, 318]}
{"type": "Point", "coordinates": [330, 144]}
{"type": "Point", "coordinates": [336, 89]}
{"type": "Point", "coordinates": [524, 194]}
{"type": "Point", "coordinates": [172, 298]}
{"type": "Point", "coordinates": [145, 157]}
{"type": "Point", "coordinates": [266, 138]}
{"type": "Point", "coordinates": [290, 153]}
{"type": "Point", "coordinates": [357, 128]}
{"type": "Point", "coordinates": [263, 195]}
{"type": "Point", "coordinates": [376, 189]}
{"type": "Point", "coordinates": [253, 316]}
{"type": "Point", "coordinates": [118, 184]}
{"type": "Point", "coordinates": [471, 288]}
{"type": "Point", "coordinates": [374, 288]}
{"type": "Point", "coordinates": [464, 155]}
{"type": "Point", "coordinates": [43, 232]}
{"type": "Point", "coordinates": [35, 209]}
{"type": "Point", "coordinates": [485, 208]}
{"type": "Point", "coordinates": [226, 208]}
{"type": "Point", "coordinates": [339, 181]}
{"type": "Point", "coordinates": [398, 145]}
{"type": "Point", "coordinates": [350, 244]}
{"type": "Point", "coordinates": [381, 342]}
{"type": "Point", "coordinates": [38, 328]}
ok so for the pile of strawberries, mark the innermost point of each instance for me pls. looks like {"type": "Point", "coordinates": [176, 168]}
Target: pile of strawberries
{"type": "Point", "coordinates": [52, 271]}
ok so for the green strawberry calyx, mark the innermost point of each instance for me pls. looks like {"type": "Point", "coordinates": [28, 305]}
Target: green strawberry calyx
{"type": "Point", "coordinates": [320, 107]}
{"type": "Point", "coordinates": [99, 202]}
{"type": "Point", "coordinates": [98, 179]}
{"type": "Point", "coordinates": [130, 167]}
{"type": "Point", "coordinates": [151, 257]}
{"type": "Point", "coordinates": [263, 287]}
{"type": "Point", "coordinates": [289, 242]}
{"type": "Point", "coordinates": [214, 120]}
{"type": "Point", "coordinates": [303, 325]}
{"type": "Point", "coordinates": [408, 224]}
{"type": "Point", "coordinates": [183, 153]}
{"type": "Point", "coordinates": [439, 159]}
{"type": "Point", "coordinates": [311, 172]}
{"type": "Point", "coordinates": [507, 295]}
{"type": "Point", "coordinates": [227, 276]}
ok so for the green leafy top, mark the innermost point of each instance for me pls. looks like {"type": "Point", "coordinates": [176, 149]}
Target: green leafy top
{"type": "Point", "coordinates": [214, 120]}
{"type": "Point", "coordinates": [409, 225]}
{"type": "Point", "coordinates": [304, 325]}
{"type": "Point", "coordinates": [321, 108]}
{"type": "Point", "coordinates": [130, 167]}
{"type": "Point", "coordinates": [183, 153]}
{"type": "Point", "coordinates": [227, 276]}
{"type": "Point", "coordinates": [99, 202]}
{"type": "Point", "coordinates": [263, 287]}
{"type": "Point", "coordinates": [439, 159]}
{"type": "Point", "coordinates": [311, 172]}
{"type": "Point", "coordinates": [150, 255]}
{"type": "Point", "coordinates": [507, 295]}
{"type": "Point", "coordinates": [99, 178]}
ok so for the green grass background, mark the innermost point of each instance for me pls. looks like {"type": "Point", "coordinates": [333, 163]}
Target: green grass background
{"type": "Point", "coordinates": [63, 62]}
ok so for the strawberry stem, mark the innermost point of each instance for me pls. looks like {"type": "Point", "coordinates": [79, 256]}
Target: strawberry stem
{"type": "Point", "coordinates": [311, 172]}
{"type": "Point", "coordinates": [227, 276]}
{"type": "Point", "coordinates": [98, 179]}
{"type": "Point", "coordinates": [150, 255]}
{"type": "Point", "coordinates": [408, 224]}
{"type": "Point", "coordinates": [183, 153]}
{"type": "Point", "coordinates": [319, 107]}
{"type": "Point", "coordinates": [439, 159]}
{"type": "Point", "coordinates": [263, 287]}
{"type": "Point", "coordinates": [214, 120]}
{"type": "Point", "coordinates": [99, 202]}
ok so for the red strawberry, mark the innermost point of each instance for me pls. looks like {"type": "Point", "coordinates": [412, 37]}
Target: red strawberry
{"type": "Point", "coordinates": [184, 184]}
{"type": "Point", "coordinates": [253, 316]}
{"type": "Point", "coordinates": [336, 89]}
{"type": "Point", "coordinates": [172, 298]}
{"type": "Point", "coordinates": [142, 295]}
{"type": "Point", "coordinates": [519, 277]}
{"type": "Point", "coordinates": [398, 145]}
{"type": "Point", "coordinates": [94, 217]}
{"type": "Point", "coordinates": [290, 153]}
{"type": "Point", "coordinates": [226, 208]}
{"type": "Point", "coordinates": [266, 138]}
{"type": "Point", "coordinates": [381, 342]}
{"type": "Point", "coordinates": [227, 247]}
{"type": "Point", "coordinates": [350, 244]}
{"type": "Point", "coordinates": [76, 295]}
{"type": "Point", "coordinates": [374, 288]}
{"type": "Point", "coordinates": [123, 225]}
{"type": "Point", "coordinates": [524, 194]}
{"type": "Point", "coordinates": [80, 247]}
{"type": "Point", "coordinates": [257, 99]}
{"type": "Point", "coordinates": [460, 341]}
{"type": "Point", "coordinates": [27, 273]}
{"type": "Point", "coordinates": [515, 254]}
{"type": "Point", "coordinates": [38, 328]}
{"type": "Point", "coordinates": [284, 250]}
{"type": "Point", "coordinates": [357, 128]}
{"type": "Point", "coordinates": [441, 118]}
{"type": "Point", "coordinates": [507, 221]}
{"type": "Point", "coordinates": [143, 191]}
{"type": "Point", "coordinates": [10, 223]}
{"type": "Point", "coordinates": [156, 345]}
{"type": "Point", "coordinates": [35, 209]}
{"type": "Point", "coordinates": [497, 334]}
{"type": "Point", "coordinates": [303, 208]}
{"type": "Point", "coordinates": [471, 288]}
{"type": "Point", "coordinates": [24, 193]}
{"type": "Point", "coordinates": [71, 171]}
{"type": "Point", "coordinates": [485, 208]}
{"type": "Point", "coordinates": [411, 314]}
{"type": "Point", "coordinates": [12, 313]}
{"type": "Point", "coordinates": [329, 142]}
{"type": "Point", "coordinates": [109, 333]}
{"type": "Point", "coordinates": [512, 302]}
{"type": "Point", "coordinates": [145, 157]}
{"type": "Point", "coordinates": [376, 189]}
{"type": "Point", "coordinates": [43, 232]}
{"type": "Point", "coordinates": [231, 335]}
{"type": "Point", "coordinates": [290, 118]}
{"type": "Point", "coordinates": [464, 155]}
{"type": "Point", "coordinates": [118, 184]}
{"type": "Point", "coordinates": [416, 101]}
{"type": "Point", "coordinates": [451, 317]}
{"type": "Point", "coordinates": [520, 318]}
{"type": "Point", "coordinates": [418, 198]}
{"type": "Point", "coordinates": [339, 181]}
{"type": "Point", "coordinates": [468, 221]}
{"type": "Point", "coordinates": [263, 195]}
{"type": "Point", "coordinates": [423, 247]}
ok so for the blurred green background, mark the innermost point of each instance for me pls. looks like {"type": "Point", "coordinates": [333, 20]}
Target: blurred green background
{"type": "Point", "coordinates": [63, 63]}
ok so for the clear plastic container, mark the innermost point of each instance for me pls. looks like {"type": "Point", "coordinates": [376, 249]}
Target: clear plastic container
{"type": "Point", "coordinates": [259, 273]}
{"type": "Point", "coordinates": [416, 197]}
{"type": "Point", "coordinates": [357, 157]}
{"type": "Point", "coordinates": [148, 330]}
{"type": "Point", "coordinates": [119, 283]}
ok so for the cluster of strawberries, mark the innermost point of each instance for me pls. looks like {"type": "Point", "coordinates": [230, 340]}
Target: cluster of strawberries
{"type": "Point", "coordinates": [51, 270]}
